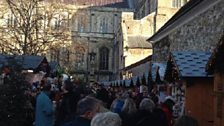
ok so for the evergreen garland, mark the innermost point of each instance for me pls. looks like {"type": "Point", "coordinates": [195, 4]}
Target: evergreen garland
{"type": "Point", "coordinates": [143, 80]}
{"type": "Point", "coordinates": [131, 84]}
{"type": "Point", "coordinates": [150, 81]}
{"type": "Point", "coordinates": [138, 82]}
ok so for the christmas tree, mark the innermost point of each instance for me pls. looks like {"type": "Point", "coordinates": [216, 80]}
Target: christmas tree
{"type": "Point", "coordinates": [13, 99]}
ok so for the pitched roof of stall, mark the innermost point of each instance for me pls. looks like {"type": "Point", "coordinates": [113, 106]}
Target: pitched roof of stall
{"type": "Point", "coordinates": [184, 15]}
{"type": "Point", "coordinates": [27, 61]}
{"type": "Point", "coordinates": [191, 64]}
{"type": "Point", "coordinates": [54, 66]}
{"type": "Point", "coordinates": [138, 42]}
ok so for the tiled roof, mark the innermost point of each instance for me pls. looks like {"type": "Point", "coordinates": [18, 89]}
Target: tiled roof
{"type": "Point", "coordinates": [138, 42]}
{"type": "Point", "coordinates": [106, 3]}
{"type": "Point", "coordinates": [27, 62]}
{"type": "Point", "coordinates": [54, 66]}
{"type": "Point", "coordinates": [121, 4]}
{"type": "Point", "coordinates": [191, 64]}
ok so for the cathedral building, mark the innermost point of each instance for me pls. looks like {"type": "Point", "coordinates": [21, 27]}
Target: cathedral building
{"type": "Point", "coordinates": [97, 39]}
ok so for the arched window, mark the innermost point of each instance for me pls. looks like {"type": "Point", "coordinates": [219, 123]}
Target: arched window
{"type": "Point", "coordinates": [104, 58]}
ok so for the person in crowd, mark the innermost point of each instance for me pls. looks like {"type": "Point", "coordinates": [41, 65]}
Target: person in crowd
{"type": "Point", "coordinates": [186, 121]}
{"type": "Point", "coordinates": [44, 113]}
{"type": "Point", "coordinates": [128, 109]}
{"type": "Point", "coordinates": [118, 103]}
{"type": "Point", "coordinates": [144, 116]}
{"type": "Point", "coordinates": [111, 96]}
{"type": "Point", "coordinates": [147, 104]}
{"type": "Point", "coordinates": [67, 107]}
{"type": "Point", "coordinates": [167, 108]}
{"type": "Point", "coordinates": [106, 119]}
{"type": "Point", "coordinates": [129, 106]}
{"type": "Point", "coordinates": [155, 99]}
{"type": "Point", "coordinates": [87, 108]}
{"type": "Point", "coordinates": [102, 94]}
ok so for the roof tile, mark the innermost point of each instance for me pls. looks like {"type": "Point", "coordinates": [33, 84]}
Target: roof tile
{"type": "Point", "coordinates": [191, 64]}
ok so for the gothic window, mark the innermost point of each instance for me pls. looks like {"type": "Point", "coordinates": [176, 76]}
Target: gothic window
{"type": "Point", "coordinates": [104, 58]}
{"type": "Point", "coordinates": [103, 25]}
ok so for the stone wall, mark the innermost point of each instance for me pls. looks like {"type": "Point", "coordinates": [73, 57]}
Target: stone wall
{"type": "Point", "coordinates": [161, 50]}
{"type": "Point", "coordinates": [93, 36]}
{"type": "Point", "coordinates": [199, 34]}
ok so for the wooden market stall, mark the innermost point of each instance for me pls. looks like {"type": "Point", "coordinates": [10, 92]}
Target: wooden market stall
{"type": "Point", "coordinates": [215, 66]}
{"type": "Point", "coordinates": [30, 65]}
{"type": "Point", "coordinates": [186, 70]}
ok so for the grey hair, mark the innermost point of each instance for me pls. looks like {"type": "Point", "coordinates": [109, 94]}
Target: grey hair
{"type": "Point", "coordinates": [129, 106]}
{"type": "Point", "coordinates": [147, 104]}
{"type": "Point", "coordinates": [106, 119]}
{"type": "Point", "coordinates": [87, 104]}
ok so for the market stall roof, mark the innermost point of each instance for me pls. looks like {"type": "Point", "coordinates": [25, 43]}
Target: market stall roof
{"type": "Point", "coordinates": [54, 66]}
{"type": "Point", "coordinates": [191, 64]}
{"type": "Point", "coordinates": [27, 61]}
{"type": "Point", "coordinates": [216, 60]}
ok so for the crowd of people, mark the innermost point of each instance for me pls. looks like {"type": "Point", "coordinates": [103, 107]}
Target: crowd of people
{"type": "Point", "coordinates": [59, 102]}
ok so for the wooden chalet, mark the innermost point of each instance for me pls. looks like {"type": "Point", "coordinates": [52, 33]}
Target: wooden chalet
{"type": "Point", "coordinates": [26, 62]}
{"type": "Point", "coordinates": [30, 65]}
{"type": "Point", "coordinates": [186, 70]}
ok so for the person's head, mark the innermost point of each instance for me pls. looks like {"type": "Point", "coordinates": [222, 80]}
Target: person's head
{"type": "Point", "coordinates": [46, 86]}
{"type": "Point", "coordinates": [146, 104]}
{"type": "Point", "coordinates": [106, 119]}
{"type": "Point", "coordinates": [88, 107]}
{"type": "Point", "coordinates": [67, 85]}
{"type": "Point", "coordinates": [169, 102]}
{"type": "Point", "coordinates": [186, 121]}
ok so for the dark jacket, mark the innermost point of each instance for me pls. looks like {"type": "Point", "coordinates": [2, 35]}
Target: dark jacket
{"type": "Point", "coordinates": [144, 118]}
{"type": "Point", "coordinates": [79, 121]}
{"type": "Point", "coordinates": [67, 108]}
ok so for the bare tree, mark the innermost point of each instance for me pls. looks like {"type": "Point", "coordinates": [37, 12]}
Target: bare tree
{"type": "Point", "coordinates": [32, 27]}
